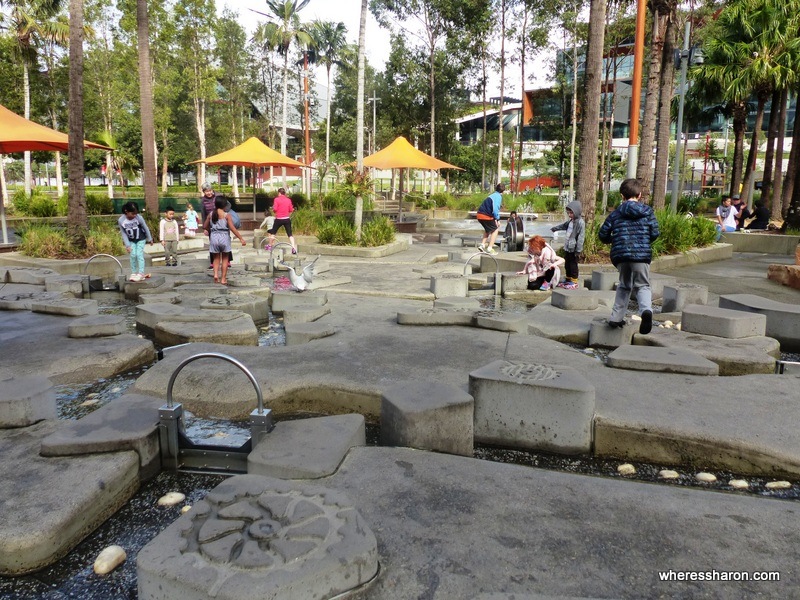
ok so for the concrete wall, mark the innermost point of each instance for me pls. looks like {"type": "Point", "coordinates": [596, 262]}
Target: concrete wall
{"type": "Point", "coordinates": [768, 243]}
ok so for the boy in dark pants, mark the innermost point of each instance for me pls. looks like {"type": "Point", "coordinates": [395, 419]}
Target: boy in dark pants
{"type": "Point", "coordinates": [631, 229]}
{"type": "Point", "coordinates": [573, 245]}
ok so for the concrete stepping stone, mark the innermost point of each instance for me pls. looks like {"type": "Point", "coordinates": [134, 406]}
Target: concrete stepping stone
{"type": "Point", "coordinates": [70, 307]}
{"type": "Point", "coordinates": [260, 537]}
{"type": "Point", "coordinates": [240, 280]}
{"type": "Point", "coordinates": [23, 301]}
{"type": "Point", "coordinates": [149, 315]}
{"type": "Point", "coordinates": [201, 290]}
{"type": "Point", "coordinates": [602, 335]}
{"type": "Point", "coordinates": [304, 314]}
{"type": "Point", "coordinates": [501, 321]}
{"type": "Point", "coordinates": [282, 300]}
{"type": "Point", "coordinates": [657, 283]}
{"type": "Point", "coordinates": [452, 302]}
{"type": "Point", "coordinates": [26, 400]}
{"type": "Point", "coordinates": [604, 279]}
{"type": "Point", "coordinates": [429, 416]}
{"type": "Point", "coordinates": [231, 327]}
{"type": "Point", "coordinates": [679, 295]}
{"type": "Point", "coordinates": [580, 299]}
{"type": "Point", "coordinates": [449, 284]}
{"type": "Point", "coordinates": [437, 316]}
{"type": "Point", "coordinates": [62, 499]}
{"type": "Point", "coordinates": [664, 360]}
{"type": "Point", "coordinates": [69, 285]}
{"type": "Point", "coordinates": [722, 322]}
{"type": "Point", "coordinates": [163, 297]}
{"type": "Point", "coordinates": [134, 288]}
{"type": "Point", "coordinates": [97, 326]}
{"type": "Point", "coordinates": [565, 326]}
{"type": "Point", "coordinates": [325, 281]}
{"type": "Point", "coordinates": [530, 405]}
{"type": "Point", "coordinates": [511, 282]}
{"type": "Point", "coordinates": [257, 308]}
{"type": "Point", "coordinates": [306, 448]}
{"type": "Point", "coordinates": [129, 422]}
{"type": "Point", "coordinates": [783, 320]}
{"type": "Point", "coordinates": [28, 275]}
{"type": "Point", "coordinates": [743, 356]}
{"type": "Point", "coordinates": [302, 333]}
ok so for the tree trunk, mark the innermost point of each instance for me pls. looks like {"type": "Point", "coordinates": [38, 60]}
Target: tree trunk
{"type": "Point", "coordinates": [286, 113]}
{"type": "Point", "coordinates": [777, 180]}
{"type": "Point", "coordinates": [644, 166]}
{"type": "Point", "coordinates": [328, 121]}
{"type": "Point", "coordinates": [522, 93]}
{"type": "Point", "coordinates": [790, 202]}
{"type": "Point", "coordinates": [769, 155]}
{"type": "Point", "coordinates": [77, 216]}
{"type": "Point", "coordinates": [146, 108]}
{"type": "Point", "coordinates": [587, 177]}
{"type": "Point", "coordinates": [753, 152]}
{"type": "Point", "coordinates": [483, 139]}
{"type": "Point", "coordinates": [164, 164]}
{"type": "Point", "coordinates": [739, 127]}
{"type": "Point", "coordinates": [3, 185]}
{"type": "Point", "coordinates": [432, 82]}
{"type": "Point", "coordinates": [26, 87]}
{"type": "Point", "coordinates": [574, 117]}
{"type": "Point", "coordinates": [502, 89]}
{"type": "Point", "coordinates": [661, 173]}
{"type": "Point", "coordinates": [362, 29]}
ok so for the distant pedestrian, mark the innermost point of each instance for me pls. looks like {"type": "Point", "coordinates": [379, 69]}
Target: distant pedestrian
{"type": "Point", "coordinates": [726, 217]}
{"type": "Point", "coordinates": [219, 226]}
{"type": "Point", "coordinates": [575, 227]}
{"type": "Point", "coordinates": [489, 218]}
{"type": "Point", "coordinates": [631, 229]}
{"type": "Point", "coordinates": [190, 220]}
{"type": "Point", "coordinates": [283, 208]}
{"type": "Point", "coordinates": [207, 201]}
{"type": "Point", "coordinates": [135, 234]}
{"type": "Point", "coordinates": [169, 236]}
{"type": "Point", "coordinates": [543, 265]}
{"type": "Point", "coordinates": [741, 208]}
{"type": "Point", "coordinates": [762, 216]}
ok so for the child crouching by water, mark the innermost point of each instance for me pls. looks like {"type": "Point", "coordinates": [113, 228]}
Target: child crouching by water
{"type": "Point", "coordinates": [543, 268]}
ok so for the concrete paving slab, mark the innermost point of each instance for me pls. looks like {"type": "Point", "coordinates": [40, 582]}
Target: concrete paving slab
{"type": "Point", "coordinates": [783, 318]}
{"type": "Point", "coordinates": [26, 400]}
{"type": "Point", "coordinates": [55, 502]}
{"type": "Point", "coordinates": [97, 326]}
{"type": "Point", "coordinates": [501, 321]}
{"type": "Point", "coordinates": [204, 290]}
{"type": "Point", "coordinates": [452, 302]}
{"type": "Point", "coordinates": [134, 288]}
{"type": "Point", "coordinates": [438, 316]}
{"type": "Point", "coordinates": [302, 333]}
{"type": "Point", "coordinates": [23, 300]}
{"type": "Point", "coordinates": [580, 299]}
{"type": "Point", "coordinates": [528, 522]}
{"type": "Point", "coordinates": [26, 275]}
{"type": "Point", "coordinates": [666, 360]}
{"type": "Point", "coordinates": [322, 282]}
{"type": "Point", "coordinates": [259, 537]}
{"type": "Point", "coordinates": [449, 284]}
{"type": "Point", "coordinates": [69, 285]}
{"type": "Point", "coordinates": [232, 327]}
{"type": "Point", "coordinates": [657, 283]}
{"type": "Point", "coordinates": [70, 307]}
{"type": "Point", "coordinates": [306, 448]}
{"type": "Point", "coordinates": [722, 322]}
{"type": "Point", "coordinates": [163, 297]}
{"type": "Point", "coordinates": [734, 356]}
{"type": "Point", "coordinates": [677, 296]}
{"type": "Point", "coordinates": [602, 335]}
{"type": "Point", "coordinates": [128, 423]}
{"type": "Point", "coordinates": [569, 327]}
{"type": "Point", "coordinates": [304, 314]}
{"type": "Point", "coordinates": [256, 307]}
{"type": "Point", "coordinates": [428, 415]}
{"type": "Point", "coordinates": [151, 314]}
{"type": "Point", "coordinates": [282, 300]}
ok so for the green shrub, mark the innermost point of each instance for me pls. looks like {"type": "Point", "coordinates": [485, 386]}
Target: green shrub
{"type": "Point", "coordinates": [337, 231]}
{"type": "Point", "coordinates": [44, 241]}
{"type": "Point", "coordinates": [306, 221]}
{"type": "Point", "coordinates": [339, 200]}
{"type": "Point", "coordinates": [377, 232]}
{"type": "Point", "coordinates": [20, 201]}
{"type": "Point", "coordinates": [62, 206]}
{"type": "Point", "coordinates": [425, 204]}
{"type": "Point", "coordinates": [441, 199]}
{"type": "Point", "coordinates": [105, 238]}
{"type": "Point", "coordinates": [41, 206]}
{"type": "Point", "coordinates": [99, 204]}
{"type": "Point", "coordinates": [298, 200]}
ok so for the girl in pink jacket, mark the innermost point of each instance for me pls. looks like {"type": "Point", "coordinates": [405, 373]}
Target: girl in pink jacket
{"type": "Point", "coordinates": [543, 267]}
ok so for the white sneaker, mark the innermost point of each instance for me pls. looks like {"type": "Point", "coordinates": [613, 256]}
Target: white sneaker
{"type": "Point", "coordinates": [491, 251]}
{"type": "Point", "coordinates": [481, 248]}
{"type": "Point", "coordinates": [135, 277]}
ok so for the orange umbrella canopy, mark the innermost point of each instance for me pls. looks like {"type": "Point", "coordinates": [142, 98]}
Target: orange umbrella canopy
{"type": "Point", "coordinates": [400, 154]}
{"type": "Point", "coordinates": [252, 152]}
{"type": "Point", "coordinates": [18, 134]}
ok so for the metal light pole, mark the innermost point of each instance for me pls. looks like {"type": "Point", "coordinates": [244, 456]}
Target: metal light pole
{"type": "Point", "coordinates": [307, 126]}
{"type": "Point", "coordinates": [678, 157]}
{"type": "Point", "coordinates": [374, 100]}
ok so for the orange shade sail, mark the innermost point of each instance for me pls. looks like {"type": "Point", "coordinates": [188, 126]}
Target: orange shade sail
{"type": "Point", "coordinates": [400, 154]}
{"type": "Point", "coordinates": [18, 134]}
{"type": "Point", "coordinates": [251, 153]}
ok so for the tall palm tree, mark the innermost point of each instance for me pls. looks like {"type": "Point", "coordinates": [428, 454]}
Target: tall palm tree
{"type": "Point", "coordinates": [362, 49]}
{"type": "Point", "coordinates": [330, 42]}
{"type": "Point", "coordinates": [33, 22]}
{"type": "Point", "coordinates": [280, 36]}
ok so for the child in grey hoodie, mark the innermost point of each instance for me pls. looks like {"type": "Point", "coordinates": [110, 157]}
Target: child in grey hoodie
{"type": "Point", "coordinates": [573, 245]}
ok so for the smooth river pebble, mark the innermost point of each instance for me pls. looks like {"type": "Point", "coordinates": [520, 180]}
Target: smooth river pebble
{"type": "Point", "coordinates": [109, 559]}
{"type": "Point", "coordinates": [705, 477]}
{"type": "Point", "coordinates": [778, 485]}
{"type": "Point", "coordinates": [171, 499]}
{"type": "Point", "coordinates": [668, 474]}
{"type": "Point", "coordinates": [626, 469]}
{"type": "Point", "coordinates": [738, 484]}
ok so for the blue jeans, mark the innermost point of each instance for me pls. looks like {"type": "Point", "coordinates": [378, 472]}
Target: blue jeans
{"type": "Point", "coordinates": [728, 229]}
{"type": "Point", "coordinates": [137, 256]}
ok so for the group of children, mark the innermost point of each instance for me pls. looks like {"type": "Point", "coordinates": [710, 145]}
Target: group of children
{"type": "Point", "coordinates": [630, 229]}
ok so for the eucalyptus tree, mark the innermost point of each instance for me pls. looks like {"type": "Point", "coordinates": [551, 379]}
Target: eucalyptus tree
{"type": "Point", "coordinates": [31, 23]}
{"type": "Point", "coordinates": [587, 175]}
{"type": "Point", "coordinates": [77, 216]}
{"type": "Point", "coordinates": [280, 36]}
{"type": "Point", "coordinates": [194, 22]}
{"type": "Point", "coordinates": [331, 44]}
{"type": "Point", "coordinates": [230, 43]}
{"type": "Point", "coordinates": [146, 108]}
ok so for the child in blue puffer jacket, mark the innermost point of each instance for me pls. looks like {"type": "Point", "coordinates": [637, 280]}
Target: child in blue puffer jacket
{"type": "Point", "coordinates": [631, 229]}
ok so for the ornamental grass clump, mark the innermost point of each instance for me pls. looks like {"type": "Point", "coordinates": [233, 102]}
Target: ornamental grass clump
{"type": "Point", "coordinates": [377, 232]}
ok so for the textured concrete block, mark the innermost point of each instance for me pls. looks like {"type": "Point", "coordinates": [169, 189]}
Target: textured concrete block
{"type": "Point", "coordinates": [580, 299]}
{"type": "Point", "coordinates": [429, 416]}
{"type": "Point", "coordinates": [452, 241]}
{"type": "Point", "coordinates": [678, 295]}
{"type": "Point", "coordinates": [604, 336]}
{"type": "Point", "coordinates": [201, 290]}
{"type": "Point", "coordinates": [97, 326]}
{"type": "Point", "coordinates": [437, 316]}
{"type": "Point", "coordinates": [149, 315]}
{"type": "Point", "coordinates": [783, 319]}
{"type": "Point", "coordinates": [472, 303]}
{"type": "Point", "coordinates": [657, 283]}
{"type": "Point", "coordinates": [722, 322]}
{"type": "Point", "coordinates": [542, 407]}
{"type": "Point", "coordinates": [257, 308]}
{"type": "Point", "coordinates": [28, 275]}
{"type": "Point", "coordinates": [24, 300]}
{"type": "Point", "coordinates": [232, 327]}
{"type": "Point", "coordinates": [70, 307]}
{"type": "Point", "coordinates": [304, 314]}
{"type": "Point", "coordinates": [282, 300]}
{"type": "Point", "coordinates": [134, 288]}
{"type": "Point", "coordinates": [459, 256]}
{"type": "Point", "coordinates": [306, 448]}
{"type": "Point", "coordinates": [69, 285]}
{"type": "Point", "coordinates": [502, 321]}
{"type": "Point", "coordinates": [259, 537]}
{"type": "Point", "coordinates": [449, 284]}
{"type": "Point", "coordinates": [604, 279]}
{"type": "Point", "coordinates": [164, 297]}
{"type": "Point", "coordinates": [302, 333]}
{"type": "Point", "coordinates": [663, 360]}
{"type": "Point", "coordinates": [26, 400]}
{"type": "Point", "coordinates": [511, 282]}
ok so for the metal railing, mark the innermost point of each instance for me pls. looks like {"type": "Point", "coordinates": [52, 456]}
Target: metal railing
{"type": "Point", "coordinates": [496, 269]}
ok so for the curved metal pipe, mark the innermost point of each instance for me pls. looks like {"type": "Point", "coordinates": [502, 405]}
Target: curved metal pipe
{"type": "Point", "coordinates": [224, 357]}
{"type": "Point", "coordinates": [496, 267]}
{"type": "Point", "coordinates": [114, 258]}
